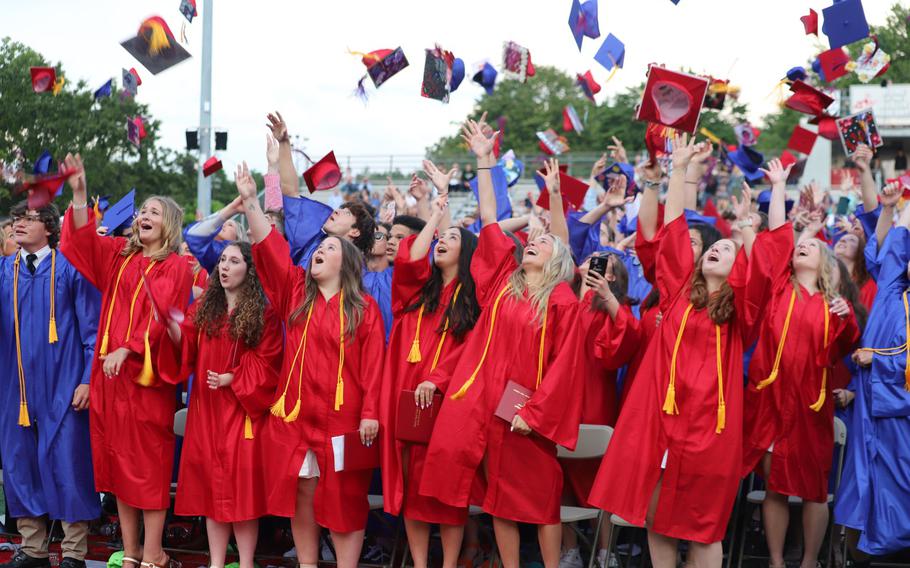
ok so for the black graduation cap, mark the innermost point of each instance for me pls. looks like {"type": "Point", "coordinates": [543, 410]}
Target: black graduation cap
{"type": "Point", "coordinates": [155, 47]}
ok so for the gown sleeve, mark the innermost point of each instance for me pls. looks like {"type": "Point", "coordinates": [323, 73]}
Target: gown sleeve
{"type": "Point", "coordinates": [88, 308]}
{"type": "Point", "coordinates": [90, 253]}
{"type": "Point", "coordinates": [583, 237]}
{"type": "Point", "coordinates": [256, 373]}
{"type": "Point", "coordinates": [277, 272]}
{"type": "Point", "coordinates": [492, 261]}
{"type": "Point", "coordinates": [868, 219]}
{"type": "Point", "coordinates": [617, 340]}
{"type": "Point", "coordinates": [176, 362]}
{"type": "Point", "coordinates": [844, 335]}
{"type": "Point", "coordinates": [371, 355]}
{"type": "Point", "coordinates": [674, 263]}
{"type": "Point", "coordinates": [892, 260]}
{"type": "Point", "coordinates": [408, 277]}
{"type": "Point", "coordinates": [768, 272]}
{"type": "Point", "coordinates": [646, 251]}
{"type": "Point", "coordinates": [203, 245]}
{"type": "Point", "coordinates": [303, 221]}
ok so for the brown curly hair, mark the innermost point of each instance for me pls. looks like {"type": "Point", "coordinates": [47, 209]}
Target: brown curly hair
{"type": "Point", "coordinates": [248, 318]}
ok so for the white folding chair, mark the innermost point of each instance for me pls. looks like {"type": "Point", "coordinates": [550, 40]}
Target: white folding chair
{"type": "Point", "coordinates": [593, 441]}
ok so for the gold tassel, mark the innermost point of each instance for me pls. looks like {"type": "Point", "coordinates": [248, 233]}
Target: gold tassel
{"type": "Point", "coordinates": [247, 428]}
{"type": "Point", "coordinates": [277, 409]}
{"type": "Point", "coordinates": [58, 86]}
{"type": "Point", "coordinates": [669, 406]}
{"type": "Point", "coordinates": [339, 394]}
{"type": "Point", "coordinates": [907, 374]}
{"type": "Point", "coordinates": [158, 39]}
{"type": "Point", "coordinates": [103, 351]}
{"type": "Point", "coordinates": [780, 346]}
{"type": "Point", "coordinates": [771, 378]}
{"type": "Point", "coordinates": [414, 353]}
{"type": "Point", "coordinates": [23, 415]}
{"type": "Point", "coordinates": [821, 395]}
{"type": "Point", "coordinates": [294, 413]}
{"type": "Point", "coordinates": [147, 375]}
{"type": "Point", "coordinates": [339, 386]}
{"type": "Point", "coordinates": [52, 326]}
{"type": "Point", "coordinates": [721, 418]}
{"type": "Point", "coordinates": [52, 331]}
{"type": "Point", "coordinates": [721, 401]}
{"type": "Point", "coordinates": [670, 401]}
{"type": "Point", "coordinates": [464, 388]}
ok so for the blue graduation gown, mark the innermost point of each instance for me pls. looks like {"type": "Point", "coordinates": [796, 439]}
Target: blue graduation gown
{"type": "Point", "coordinates": [205, 248]}
{"type": "Point", "coordinates": [873, 495]}
{"type": "Point", "coordinates": [379, 285]}
{"type": "Point", "coordinates": [47, 467]}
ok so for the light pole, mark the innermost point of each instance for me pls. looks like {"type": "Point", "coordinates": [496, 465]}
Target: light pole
{"type": "Point", "coordinates": [203, 184]}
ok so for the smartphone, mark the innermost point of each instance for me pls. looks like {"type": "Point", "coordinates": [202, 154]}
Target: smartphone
{"type": "Point", "coordinates": [843, 205]}
{"type": "Point", "coordinates": [598, 264]}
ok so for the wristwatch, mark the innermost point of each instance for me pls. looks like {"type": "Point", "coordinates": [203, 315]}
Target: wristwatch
{"type": "Point", "coordinates": [651, 184]}
{"type": "Point", "coordinates": [744, 223]}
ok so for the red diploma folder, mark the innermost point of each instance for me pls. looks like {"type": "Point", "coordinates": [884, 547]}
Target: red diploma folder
{"type": "Point", "coordinates": [513, 399]}
{"type": "Point", "coordinates": [415, 424]}
{"type": "Point", "coordinates": [352, 455]}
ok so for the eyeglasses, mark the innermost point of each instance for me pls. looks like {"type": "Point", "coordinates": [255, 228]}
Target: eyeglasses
{"type": "Point", "coordinates": [380, 236]}
{"type": "Point", "coordinates": [27, 219]}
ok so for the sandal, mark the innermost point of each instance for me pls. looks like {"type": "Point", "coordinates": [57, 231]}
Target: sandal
{"type": "Point", "coordinates": [135, 562]}
{"type": "Point", "coordinates": [168, 563]}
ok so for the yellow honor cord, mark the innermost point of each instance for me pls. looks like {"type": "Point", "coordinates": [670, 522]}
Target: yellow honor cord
{"type": "Point", "coordinates": [247, 428]}
{"type": "Point", "coordinates": [464, 388]}
{"type": "Point", "coordinates": [818, 404]}
{"type": "Point", "coordinates": [543, 336]}
{"type": "Point", "coordinates": [670, 400]}
{"type": "Point", "coordinates": [102, 351]}
{"type": "Point", "coordinates": [52, 324]}
{"type": "Point", "coordinates": [23, 402]}
{"type": "Point", "coordinates": [339, 386]}
{"type": "Point", "coordinates": [278, 407]}
{"type": "Point", "coordinates": [414, 353]}
{"type": "Point", "coordinates": [129, 328]}
{"type": "Point", "coordinates": [147, 374]}
{"type": "Point", "coordinates": [445, 331]}
{"type": "Point", "coordinates": [780, 346]}
{"type": "Point", "coordinates": [721, 403]}
{"type": "Point", "coordinates": [904, 348]}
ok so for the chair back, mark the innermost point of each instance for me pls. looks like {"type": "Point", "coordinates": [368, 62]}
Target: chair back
{"type": "Point", "coordinates": [180, 421]}
{"type": "Point", "coordinates": [840, 432]}
{"type": "Point", "coordinates": [593, 440]}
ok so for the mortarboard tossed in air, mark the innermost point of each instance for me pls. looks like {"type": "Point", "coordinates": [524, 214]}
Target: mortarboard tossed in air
{"type": "Point", "coordinates": [827, 126]}
{"type": "Point", "coordinates": [131, 81]}
{"type": "Point", "coordinates": [44, 80]}
{"type": "Point", "coordinates": [764, 199]}
{"type": "Point", "coordinates": [845, 22]}
{"type": "Point", "coordinates": [211, 166]}
{"type": "Point", "coordinates": [807, 99]}
{"type": "Point", "coordinates": [748, 160]}
{"type": "Point", "coordinates": [43, 186]}
{"type": "Point", "coordinates": [797, 74]}
{"type": "Point", "coordinates": [104, 90]}
{"type": "Point", "coordinates": [188, 9]}
{"type": "Point", "coordinates": [573, 191]}
{"type": "Point", "coordinates": [833, 64]}
{"type": "Point", "coordinates": [872, 62]}
{"type": "Point", "coordinates": [718, 90]}
{"type": "Point", "coordinates": [787, 158]}
{"type": "Point", "coordinates": [437, 74]}
{"type": "Point", "coordinates": [657, 140]}
{"type": "Point", "coordinates": [810, 22]}
{"type": "Point", "coordinates": [512, 166]}
{"type": "Point", "coordinates": [457, 74]}
{"type": "Point", "coordinates": [746, 134]}
{"type": "Point", "coordinates": [155, 47]}
{"type": "Point", "coordinates": [516, 61]}
{"type": "Point", "coordinates": [132, 132]}
{"type": "Point", "coordinates": [381, 65]}
{"type": "Point", "coordinates": [588, 85]}
{"type": "Point", "coordinates": [673, 99]}
{"type": "Point", "coordinates": [615, 170]}
{"type": "Point", "coordinates": [324, 174]}
{"type": "Point", "coordinates": [802, 140]}
{"type": "Point", "coordinates": [612, 54]}
{"type": "Point", "coordinates": [583, 21]}
{"type": "Point", "coordinates": [551, 143]}
{"type": "Point", "coordinates": [43, 163]}
{"type": "Point", "coordinates": [858, 129]}
{"type": "Point", "coordinates": [486, 77]}
{"type": "Point", "coordinates": [571, 121]}
{"type": "Point", "coordinates": [120, 214]}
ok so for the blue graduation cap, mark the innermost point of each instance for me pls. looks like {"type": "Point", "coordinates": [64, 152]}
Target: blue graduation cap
{"type": "Point", "coordinates": [457, 74]}
{"type": "Point", "coordinates": [583, 21]}
{"type": "Point", "coordinates": [764, 201]}
{"type": "Point", "coordinates": [43, 163]}
{"type": "Point", "coordinates": [512, 166]}
{"type": "Point", "coordinates": [693, 216]}
{"type": "Point", "coordinates": [501, 190]}
{"type": "Point", "coordinates": [486, 77]}
{"type": "Point", "coordinates": [102, 203]}
{"type": "Point", "coordinates": [612, 53]}
{"type": "Point", "coordinates": [120, 213]}
{"type": "Point", "coordinates": [845, 22]}
{"type": "Point", "coordinates": [619, 168]}
{"type": "Point", "coordinates": [748, 160]}
{"type": "Point", "coordinates": [796, 74]}
{"type": "Point", "coordinates": [104, 90]}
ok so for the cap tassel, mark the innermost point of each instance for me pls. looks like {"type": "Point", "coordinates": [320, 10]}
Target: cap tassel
{"type": "Point", "coordinates": [147, 375]}
{"type": "Point", "coordinates": [721, 418]}
{"type": "Point", "coordinates": [103, 350]}
{"type": "Point", "coordinates": [361, 90]}
{"type": "Point", "coordinates": [670, 401]}
{"type": "Point", "coordinates": [817, 406]}
{"type": "Point", "coordinates": [339, 394]}
{"type": "Point", "coordinates": [247, 428]}
{"type": "Point", "coordinates": [907, 373]}
{"type": "Point", "coordinates": [158, 40]}
{"type": "Point", "coordinates": [414, 353]}
{"type": "Point", "coordinates": [58, 86]}
{"type": "Point", "coordinates": [277, 409]}
{"type": "Point", "coordinates": [339, 386]}
{"type": "Point", "coordinates": [464, 388]}
{"type": "Point", "coordinates": [52, 324]}
{"type": "Point", "coordinates": [771, 378]}
{"type": "Point", "coordinates": [23, 415]}
{"type": "Point", "coordinates": [52, 331]}
{"type": "Point", "coordinates": [292, 416]}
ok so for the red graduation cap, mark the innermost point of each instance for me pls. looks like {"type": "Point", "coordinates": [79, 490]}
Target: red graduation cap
{"type": "Point", "coordinates": [786, 158]}
{"type": "Point", "coordinates": [656, 137]}
{"type": "Point", "coordinates": [43, 188]}
{"type": "Point", "coordinates": [154, 46]}
{"type": "Point", "coordinates": [807, 99]}
{"type": "Point", "coordinates": [324, 174]}
{"type": "Point", "coordinates": [43, 79]}
{"type": "Point", "coordinates": [135, 74]}
{"type": "Point", "coordinates": [810, 22]}
{"type": "Point", "coordinates": [211, 166]}
{"type": "Point", "coordinates": [673, 99]}
{"type": "Point", "coordinates": [827, 126]}
{"type": "Point", "coordinates": [802, 140]}
{"type": "Point", "coordinates": [573, 191]}
{"type": "Point", "coordinates": [833, 63]}
{"type": "Point", "coordinates": [571, 121]}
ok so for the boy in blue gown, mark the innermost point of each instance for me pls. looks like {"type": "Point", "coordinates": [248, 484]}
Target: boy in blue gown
{"type": "Point", "coordinates": [49, 319]}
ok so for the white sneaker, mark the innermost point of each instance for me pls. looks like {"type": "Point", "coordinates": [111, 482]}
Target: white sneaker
{"type": "Point", "coordinates": [602, 559]}
{"type": "Point", "coordinates": [292, 553]}
{"type": "Point", "coordinates": [571, 559]}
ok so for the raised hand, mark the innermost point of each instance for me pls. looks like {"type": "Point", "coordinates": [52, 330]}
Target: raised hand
{"type": "Point", "coordinates": [891, 194]}
{"type": "Point", "coordinates": [862, 158]}
{"type": "Point", "coordinates": [246, 186]}
{"type": "Point", "coordinates": [551, 176]}
{"type": "Point", "coordinates": [599, 166]}
{"type": "Point", "coordinates": [439, 178]}
{"type": "Point", "coordinates": [474, 137]}
{"type": "Point", "coordinates": [271, 153]}
{"type": "Point", "coordinates": [77, 180]}
{"type": "Point", "coordinates": [439, 206]}
{"type": "Point", "coordinates": [743, 206]}
{"type": "Point", "coordinates": [278, 127]}
{"type": "Point", "coordinates": [616, 192]}
{"type": "Point", "coordinates": [683, 151]}
{"type": "Point", "coordinates": [776, 172]}
{"type": "Point", "coordinates": [703, 151]}
{"type": "Point", "coordinates": [418, 188]}
{"type": "Point", "coordinates": [617, 151]}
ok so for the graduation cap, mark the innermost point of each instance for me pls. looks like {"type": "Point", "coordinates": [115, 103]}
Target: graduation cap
{"type": "Point", "coordinates": [787, 158]}
{"type": "Point", "coordinates": [486, 77]}
{"type": "Point", "coordinates": [807, 99]}
{"type": "Point", "coordinates": [188, 9]}
{"type": "Point", "coordinates": [43, 188]}
{"type": "Point", "coordinates": [872, 62]}
{"type": "Point", "coordinates": [100, 204]}
{"type": "Point", "coordinates": [571, 121]}
{"type": "Point", "coordinates": [802, 140]}
{"type": "Point", "coordinates": [587, 84]}
{"type": "Point", "coordinates": [748, 160]}
{"type": "Point", "coordinates": [382, 65]}
{"type": "Point", "coordinates": [810, 22]}
{"type": "Point", "coordinates": [104, 90]}
{"type": "Point", "coordinates": [718, 89]}
{"type": "Point", "coordinates": [833, 64]}
{"type": "Point", "coordinates": [512, 166]}
{"type": "Point", "coordinates": [612, 53]}
{"type": "Point", "coordinates": [457, 74]}
{"type": "Point", "coordinates": [324, 174]}
{"type": "Point", "coordinates": [516, 61]}
{"type": "Point", "coordinates": [43, 79]}
{"type": "Point", "coordinates": [120, 214]}
{"type": "Point", "coordinates": [437, 74]}
{"type": "Point", "coordinates": [132, 132]}
{"type": "Point", "coordinates": [618, 169]}
{"type": "Point", "coordinates": [827, 126]}
{"type": "Point", "coordinates": [657, 140]}
{"type": "Point", "coordinates": [573, 192]}
{"type": "Point", "coordinates": [797, 74]}
{"type": "Point", "coordinates": [673, 99]}
{"type": "Point", "coordinates": [845, 22]}
{"type": "Point", "coordinates": [551, 143]}
{"type": "Point", "coordinates": [43, 163]}
{"type": "Point", "coordinates": [211, 166]}
{"type": "Point", "coordinates": [583, 21]}
{"type": "Point", "coordinates": [155, 47]}
{"type": "Point", "coordinates": [764, 201]}
{"type": "Point", "coordinates": [131, 81]}
{"type": "Point", "coordinates": [746, 134]}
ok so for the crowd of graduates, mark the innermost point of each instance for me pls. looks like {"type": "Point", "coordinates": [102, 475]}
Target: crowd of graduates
{"type": "Point", "coordinates": [715, 345]}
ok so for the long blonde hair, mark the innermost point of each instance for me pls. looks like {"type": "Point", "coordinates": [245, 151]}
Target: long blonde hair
{"type": "Point", "coordinates": [559, 268]}
{"type": "Point", "coordinates": [827, 265]}
{"type": "Point", "coordinates": [171, 222]}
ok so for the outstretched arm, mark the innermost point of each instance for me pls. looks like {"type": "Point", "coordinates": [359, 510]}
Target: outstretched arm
{"type": "Point", "coordinates": [246, 187]}
{"type": "Point", "coordinates": [648, 207]}
{"type": "Point", "coordinates": [290, 183]}
{"type": "Point", "coordinates": [558, 225]}
{"type": "Point", "coordinates": [863, 159]}
{"type": "Point", "coordinates": [472, 134]}
{"type": "Point", "coordinates": [777, 209]}
{"type": "Point", "coordinates": [683, 150]}
{"type": "Point", "coordinates": [80, 194]}
{"type": "Point", "coordinates": [891, 196]}
{"type": "Point", "coordinates": [421, 245]}
{"type": "Point", "coordinates": [743, 209]}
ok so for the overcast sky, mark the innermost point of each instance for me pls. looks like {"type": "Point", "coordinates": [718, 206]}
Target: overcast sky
{"type": "Point", "coordinates": [291, 55]}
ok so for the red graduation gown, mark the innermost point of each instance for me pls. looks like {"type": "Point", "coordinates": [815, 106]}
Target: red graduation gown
{"type": "Point", "coordinates": [609, 344]}
{"type": "Point", "coordinates": [702, 472]}
{"type": "Point", "coordinates": [400, 490]}
{"type": "Point", "coordinates": [132, 426]}
{"type": "Point", "coordinates": [341, 497]}
{"type": "Point", "coordinates": [221, 474]}
{"type": "Point", "coordinates": [779, 413]}
{"type": "Point", "coordinates": [524, 480]}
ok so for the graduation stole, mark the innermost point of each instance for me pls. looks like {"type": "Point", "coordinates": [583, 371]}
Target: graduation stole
{"type": "Point", "coordinates": [543, 333]}
{"type": "Point", "coordinates": [51, 333]}
{"type": "Point", "coordinates": [277, 408]}
{"type": "Point", "coordinates": [905, 348]}
{"type": "Point", "coordinates": [414, 355]}
{"type": "Point", "coordinates": [147, 375]}
{"type": "Point", "coordinates": [669, 406]}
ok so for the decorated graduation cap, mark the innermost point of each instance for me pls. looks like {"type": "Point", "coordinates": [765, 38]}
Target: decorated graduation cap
{"type": "Point", "coordinates": [872, 62]}
{"type": "Point", "coordinates": [748, 160]}
{"type": "Point", "coordinates": [845, 22]}
{"type": "Point", "coordinates": [486, 77]}
{"type": "Point", "coordinates": [807, 99]}
{"type": "Point", "coordinates": [571, 121]}
{"type": "Point", "coordinates": [132, 132]}
{"type": "Point", "coordinates": [833, 64]}
{"type": "Point", "coordinates": [802, 140]}
{"type": "Point", "coordinates": [188, 9]}
{"type": "Point", "coordinates": [573, 191]}
{"type": "Point", "coordinates": [324, 174]}
{"type": "Point", "coordinates": [516, 61]}
{"type": "Point", "coordinates": [672, 99]}
{"type": "Point", "coordinates": [718, 89]}
{"type": "Point", "coordinates": [437, 74]}
{"type": "Point", "coordinates": [587, 84]}
{"type": "Point", "coordinates": [211, 166]}
{"type": "Point", "coordinates": [618, 169]}
{"type": "Point", "coordinates": [746, 134]}
{"type": "Point", "coordinates": [512, 166]}
{"type": "Point", "coordinates": [810, 22]}
{"type": "Point", "coordinates": [382, 65]}
{"type": "Point", "coordinates": [612, 53]}
{"type": "Point", "coordinates": [43, 79]}
{"type": "Point", "coordinates": [552, 143]}
{"type": "Point", "coordinates": [155, 47]}
{"type": "Point", "coordinates": [657, 140]}
{"type": "Point", "coordinates": [104, 90]}
{"type": "Point", "coordinates": [131, 81]}
{"type": "Point", "coordinates": [120, 214]}
{"type": "Point", "coordinates": [583, 21]}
